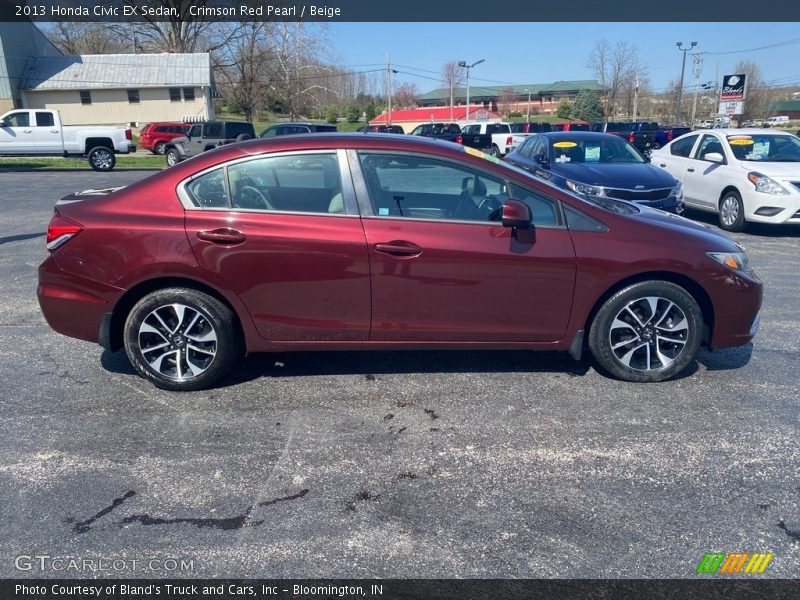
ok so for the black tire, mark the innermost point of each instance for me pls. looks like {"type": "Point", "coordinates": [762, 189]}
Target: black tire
{"type": "Point", "coordinates": [731, 212]}
{"type": "Point", "coordinates": [173, 157]}
{"type": "Point", "coordinates": [101, 158]}
{"type": "Point", "coordinates": [160, 148]}
{"type": "Point", "coordinates": [657, 346]}
{"type": "Point", "coordinates": [184, 349]}
{"type": "Point", "coordinates": [243, 137]}
{"type": "Point", "coordinates": [656, 146]}
{"type": "Point", "coordinates": [495, 151]}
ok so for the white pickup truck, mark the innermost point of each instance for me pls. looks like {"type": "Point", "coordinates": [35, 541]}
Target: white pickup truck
{"type": "Point", "coordinates": [36, 132]}
{"type": "Point", "coordinates": [500, 132]}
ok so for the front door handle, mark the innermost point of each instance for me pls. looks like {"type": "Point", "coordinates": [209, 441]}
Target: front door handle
{"type": "Point", "coordinates": [398, 248]}
{"type": "Point", "coordinates": [662, 164]}
{"type": "Point", "coordinates": [26, 130]}
{"type": "Point", "coordinates": [224, 236]}
{"type": "Point", "coordinates": [54, 131]}
{"type": "Point", "coordinates": [690, 169]}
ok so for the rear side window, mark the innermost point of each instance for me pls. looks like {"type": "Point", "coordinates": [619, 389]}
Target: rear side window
{"type": "Point", "coordinates": [235, 129]}
{"type": "Point", "coordinates": [498, 128]}
{"type": "Point", "coordinates": [208, 190]}
{"type": "Point", "coordinates": [683, 146]}
{"type": "Point", "coordinates": [44, 119]}
{"type": "Point", "coordinates": [213, 130]}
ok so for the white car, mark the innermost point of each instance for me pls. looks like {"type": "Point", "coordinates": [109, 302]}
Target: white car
{"type": "Point", "coordinates": [744, 175]}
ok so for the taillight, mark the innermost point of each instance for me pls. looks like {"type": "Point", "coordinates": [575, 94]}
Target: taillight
{"type": "Point", "coordinates": [60, 231]}
{"type": "Point", "coordinates": [509, 141]}
{"type": "Point", "coordinates": [128, 134]}
{"type": "Point", "coordinates": [459, 139]}
{"type": "Point", "coordinates": [631, 137]}
{"type": "Point", "coordinates": [670, 135]}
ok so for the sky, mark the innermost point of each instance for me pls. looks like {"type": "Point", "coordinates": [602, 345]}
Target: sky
{"type": "Point", "coordinates": [519, 53]}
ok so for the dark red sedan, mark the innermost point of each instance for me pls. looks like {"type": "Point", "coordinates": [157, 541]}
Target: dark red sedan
{"type": "Point", "coordinates": [346, 242]}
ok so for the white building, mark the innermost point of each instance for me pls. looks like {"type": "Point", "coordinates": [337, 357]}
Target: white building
{"type": "Point", "coordinates": [106, 89]}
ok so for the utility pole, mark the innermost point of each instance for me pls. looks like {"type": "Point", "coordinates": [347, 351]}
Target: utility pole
{"type": "Point", "coordinates": [463, 64]}
{"type": "Point", "coordinates": [697, 69]}
{"type": "Point", "coordinates": [636, 96]}
{"type": "Point", "coordinates": [678, 117]}
{"type": "Point", "coordinates": [389, 88]}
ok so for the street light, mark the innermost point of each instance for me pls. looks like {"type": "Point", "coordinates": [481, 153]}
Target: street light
{"type": "Point", "coordinates": [683, 70]}
{"type": "Point", "coordinates": [463, 64]}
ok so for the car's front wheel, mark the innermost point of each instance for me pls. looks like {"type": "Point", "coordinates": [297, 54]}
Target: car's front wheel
{"type": "Point", "coordinates": [649, 331]}
{"type": "Point", "coordinates": [173, 158]}
{"type": "Point", "coordinates": [731, 212]}
{"type": "Point", "coordinates": [182, 339]}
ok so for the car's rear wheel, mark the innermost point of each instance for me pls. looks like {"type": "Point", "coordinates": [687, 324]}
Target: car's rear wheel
{"type": "Point", "coordinates": [646, 332]}
{"type": "Point", "coordinates": [495, 151]}
{"type": "Point", "coordinates": [181, 339]}
{"type": "Point", "coordinates": [160, 148]}
{"type": "Point", "coordinates": [101, 158]}
{"type": "Point", "coordinates": [731, 212]}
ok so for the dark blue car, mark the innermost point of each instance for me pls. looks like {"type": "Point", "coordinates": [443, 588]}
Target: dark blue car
{"type": "Point", "coordinates": [598, 164]}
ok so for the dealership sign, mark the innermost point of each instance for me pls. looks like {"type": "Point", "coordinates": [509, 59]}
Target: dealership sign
{"type": "Point", "coordinates": [733, 87]}
{"type": "Point", "coordinates": [731, 108]}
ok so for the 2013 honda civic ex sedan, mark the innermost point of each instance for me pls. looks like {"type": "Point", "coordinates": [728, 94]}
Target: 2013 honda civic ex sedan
{"type": "Point", "coordinates": [354, 242]}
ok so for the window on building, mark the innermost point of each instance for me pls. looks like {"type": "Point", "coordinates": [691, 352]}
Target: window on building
{"type": "Point", "coordinates": [188, 94]}
{"type": "Point", "coordinates": [86, 97]}
{"type": "Point", "coordinates": [174, 94]}
{"type": "Point", "coordinates": [133, 96]}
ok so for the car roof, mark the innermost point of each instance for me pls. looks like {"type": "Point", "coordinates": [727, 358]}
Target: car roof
{"type": "Point", "coordinates": [745, 131]}
{"type": "Point", "coordinates": [578, 135]}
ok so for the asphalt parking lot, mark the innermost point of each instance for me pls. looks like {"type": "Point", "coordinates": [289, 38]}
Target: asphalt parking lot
{"type": "Point", "coordinates": [391, 464]}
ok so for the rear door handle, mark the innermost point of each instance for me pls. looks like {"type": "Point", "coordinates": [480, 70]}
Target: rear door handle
{"type": "Point", "coordinates": [662, 164]}
{"type": "Point", "coordinates": [398, 248]}
{"type": "Point", "coordinates": [54, 131]}
{"type": "Point", "coordinates": [690, 169]}
{"type": "Point", "coordinates": [224, 236]}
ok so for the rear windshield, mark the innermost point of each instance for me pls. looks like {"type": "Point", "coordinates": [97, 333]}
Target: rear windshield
{"type": "Point", "coordinates": [498, 128]}
{"type": "Point", "coordinates": [579, 127]}
{"type": "Point", "coordinates": [234, 129]}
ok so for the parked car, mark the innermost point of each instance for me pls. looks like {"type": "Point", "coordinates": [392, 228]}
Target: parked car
{"type": "Point", "coordinates": [297, 128]}
{"type": "Point", "coordinates": [571, 126]}
{"type": "Point", "coordinates": [451, 132]}
{"type": "Point", "coordinates": [777, 121]}
{"type": "Point", "coordinates": [640, 134]}
{"type": "Point", "coordinates": [40, 132]}
{"type": "Point", "coordinates": [499, 132]}
{"type": "Point", "coordinates": [665, 134]}
{"type": "Point", "coordinates": [205, 136]}
{"type": "Point", "coordinates": [156, 136]}
{"type": "Point", "coordinates": [381, 129]}
{"type": "Point", "coordinates": [259, 247]}
{"type": "Point", "coordinates": [598, 164]}
{"type": "Point", "coordinates": [744, 175]}
{"type": "Point", "coordinates": [533, 127]}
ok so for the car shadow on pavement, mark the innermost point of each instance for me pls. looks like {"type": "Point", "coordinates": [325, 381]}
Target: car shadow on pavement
{"type": "Point", "coordinates": [759, 229]}
{"type": "Point", "coordinates": [725, 359]}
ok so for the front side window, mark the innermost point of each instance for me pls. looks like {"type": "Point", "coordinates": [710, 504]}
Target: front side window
{"type": "Point", "coordinates": [196, 131]}
{"type": "Point", "coordinates": [683, 146]}
{"type": "Point", "coordinates": [419, 187]}
{"type": "Point", "coordinates": [527, 147]}
{"type": "Point", "coordinates": [544, 210]}
{"type": "Point", "coordinates": [709, 144]}
{"type": "Point", "coordinates": [19, 119]}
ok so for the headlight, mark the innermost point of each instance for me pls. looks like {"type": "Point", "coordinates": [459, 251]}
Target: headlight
{"type": "Point", "coordinates": [765, 184]}
{"type": "Point", "coordinates": [589, 190]}
{"type": "Point", "coordinates": [737, 261]}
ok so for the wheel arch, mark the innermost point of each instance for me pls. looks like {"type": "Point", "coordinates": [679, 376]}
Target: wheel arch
{"type": "Point", "coordinates": [126, 302]}
{"type": "Point", "coordinates": [687, 283]}
{"type": "Point", "coordinates": [726, 189]}
{"type": "Point", "coordinates": [95, 142]}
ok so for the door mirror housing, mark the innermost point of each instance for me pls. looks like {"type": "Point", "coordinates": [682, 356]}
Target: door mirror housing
{"type": "Point", "coordinates": [715, 157]}
{"type": "Point", "coordinates": [517, 214]}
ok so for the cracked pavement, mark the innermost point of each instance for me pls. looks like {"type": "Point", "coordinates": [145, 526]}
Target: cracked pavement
{"type": "Point", "coordinates": [392, 464]}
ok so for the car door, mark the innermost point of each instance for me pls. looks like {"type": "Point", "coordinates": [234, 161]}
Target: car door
{"type": "Point", "coordinates": [16, 133]}
{"type": "Point", "coordinates": [283, 233]}
{"type": "Point", "coordinates": [443, 270]}
{"type": "Point", "coordinates": [704, 180]}
{"type": "Point", "coordinates": [675, 157]}
{"type": "Point", "coordinates": [47, 135]}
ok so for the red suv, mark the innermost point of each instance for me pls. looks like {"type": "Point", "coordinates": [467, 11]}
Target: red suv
{"type": "Point", "coordinates": [156, 136]}
{"type": "Point", "coordinates": [348, 241]}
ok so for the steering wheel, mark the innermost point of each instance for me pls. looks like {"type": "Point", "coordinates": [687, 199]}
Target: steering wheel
{"type": "Point", "coordinates": [492, 206]}
{"type": "Point", "coordinates": [251, 197]}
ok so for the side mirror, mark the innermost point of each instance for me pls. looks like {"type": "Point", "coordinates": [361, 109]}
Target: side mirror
{"type": "Point", "coordinates": [517, 214]}
{"type": "Point", "coordinates": [6, 122]}
{"type": "Point", "coordinates": [715, 157]}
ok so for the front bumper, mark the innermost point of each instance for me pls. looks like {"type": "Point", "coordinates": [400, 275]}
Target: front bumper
{"type": "Point", "coordinates": [737, 299]}
{"type": "Point", "coordinates": [774, 209]}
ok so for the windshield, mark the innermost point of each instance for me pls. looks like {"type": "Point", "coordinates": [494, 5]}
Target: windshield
{"type": "Point", "coordinates": [571, 150]}
{"type": "Point", "coordinates": [765, 148]}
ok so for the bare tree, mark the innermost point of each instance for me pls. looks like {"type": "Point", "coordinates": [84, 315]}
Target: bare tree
{"type": "Point", "coordinates": [508, 96]}
{"type": "Point", "coordinates": [615, 68]}
{"type": "Point", "coordinates": [453, 77]}
{"type": "Point", "coordinates": [246, 68]}
{"type": "Point", "coordinates": [406, 95]}
{"type": "Point", "coordinates": [759, 96]}
{"type": "Point", "coordinates": [87, 38]}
